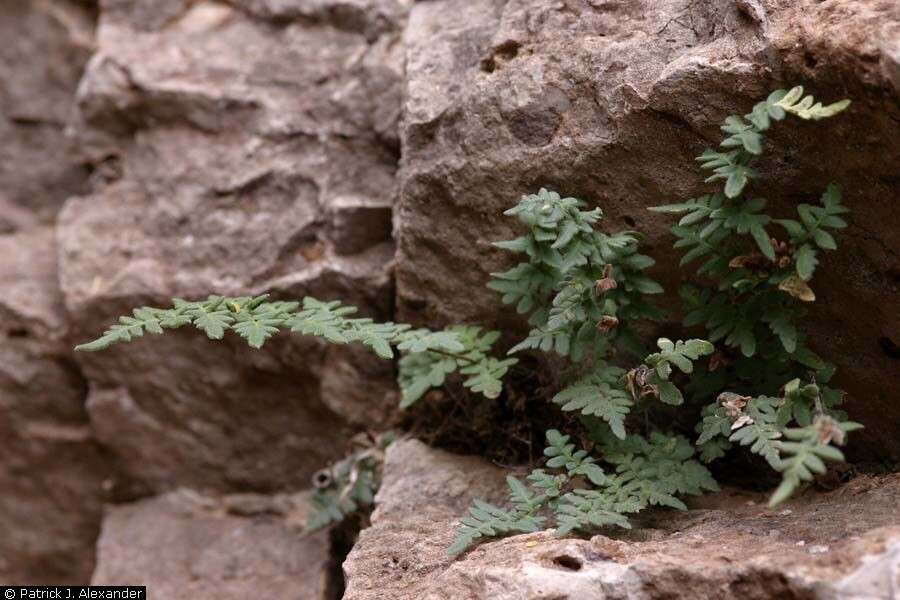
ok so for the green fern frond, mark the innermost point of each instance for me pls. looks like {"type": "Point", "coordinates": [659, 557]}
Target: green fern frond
{"type": "Point", "coordinates": [429, 367]}
{"type": "Point", "coordinates": [486, 376]}
{"type": "Point", "coordinates": [601, 394]}
{"type": "Point", "coordinates": [558, 284]}
{"type": "Point", "coordinates": [761, 431]}
{"type": "Point", "coordinates": [486, 520]}
{"type": "Point", "coordinates": [806, 454]}
{"type": "Point", "coordinates": [587, 510]}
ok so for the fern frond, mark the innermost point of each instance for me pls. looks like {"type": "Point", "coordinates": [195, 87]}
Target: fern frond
{"type": "Point", "coordinates": [427, 368]}
{"type": "Point", "coordinates": [806, 107]}
{"type": "Point", "coordinates": [601, 394]}
{"type": "Point", "coordinates": [760, 430]}
{"type": "Point", "coordinates": [349, 485]}
{"type": "Point", "coordinates": [806, 452]}
{"type": "Point", "coordinates": [486, 520]}
{"type": "Point", "coordinates": [486, 376]}
{"type": "Point", "coordinates": [559, 285]}
{"type": "Point", "coordinates": [587, 510]}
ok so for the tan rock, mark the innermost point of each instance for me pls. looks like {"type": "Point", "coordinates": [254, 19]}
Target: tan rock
{"type": "Point", "coordinates": [184, 545]}
{"type": "Point", "coordinates": [51, 468]}
{"type": "Point", "coordinates": [839, 545]}
{"type": "Point", "coordinates": [46, 46]}
{"type": "Point", "coordinates": [248, 149]}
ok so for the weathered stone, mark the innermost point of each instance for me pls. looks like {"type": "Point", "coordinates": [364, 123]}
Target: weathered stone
{"type": "Point", "coordinates": [51, 469]}
{"type": "Point", "coordinates": [249, 148]}
{"type": "Point", "coordinates": [46, 45]}
{"type": "Point", "coordinates": [184, 545]}
{"type": "Point", "coordinates": [843, 544]}
{"type": "Point", "coordinates": [610, 101]}
{"type": "Point", "coordinates": [423, 493]}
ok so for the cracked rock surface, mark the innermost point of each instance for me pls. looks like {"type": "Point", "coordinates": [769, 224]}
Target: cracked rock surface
{"type": "Point", "coordinates": [844, 544]}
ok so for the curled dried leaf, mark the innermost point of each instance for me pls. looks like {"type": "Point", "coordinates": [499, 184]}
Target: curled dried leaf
{"type": "Point", "coordinates": [638, 382]}
{"type": "Point", "coordinates": [322, 479]}
{"type": "Point", "coordinates": [734, 404]}
{"type": "Point", "coordinates": [607, 323]}
{"type": "Point", "coordinates": [741, 421]}
{"type": "Point", "coordinates": [607, 283]}
{"type": "Point", "coordinates": [797, 288]}
{"type": "Point", "coordinates": [752, 262]}
{"type": "Point", "coordinates": [829, 430]}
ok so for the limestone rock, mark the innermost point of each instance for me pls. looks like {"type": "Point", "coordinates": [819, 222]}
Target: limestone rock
{"type": "Point", "coordinates": [241, 149]}
{"type": "Point", "coordinates": [46, 45]}
{"type": "Point", "coordinates": [185, 545]}
{"type": "Point", "coordinates": [51, 468]}
{"type": "Point", "coordinates": [839, 545]}
{"type": "Point", "coordinates": [423, 493]}
{"type": "Point", "coordinates": [610, 101]}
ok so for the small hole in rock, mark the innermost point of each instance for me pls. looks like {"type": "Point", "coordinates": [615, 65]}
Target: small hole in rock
{"type": "Point", "coordinates": [508, 49]}
{"type": "Point", "coordinates": [629, 221]}
{"type": "Point", "coordinates": [568, 562]}
{"type": "Point", "coordinates": [889, 347]}
{"type": "Point", "coordinates": [810, 60]}
{"type": "Point", "coordinates": [488, 65]}
{"type": "Point", "coordinates": [17, 333]}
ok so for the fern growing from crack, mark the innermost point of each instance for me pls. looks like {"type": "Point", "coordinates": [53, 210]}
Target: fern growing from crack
{"type": "Point", "coordinates": [755, 308]}
{"type": "Point", "coordinates": [584, 290]}
{"type": "Point", "coordinates": [752, 313]}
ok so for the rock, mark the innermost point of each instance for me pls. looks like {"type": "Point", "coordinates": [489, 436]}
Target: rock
{"type": "Point", "coordinates": [422, 496]}
{"type": "Point", "coordinates": [46, 47]}
{"type": "Point", "coordinates": [243, 150]}
{"type": "Point", "coordinates": [610, 102]}
{"type": "Point", "coordinates": [51, 468]}
{"type": "Point", "coordinates": [185, 545]}
{"type": "Point", "coordinates": [838, 545]}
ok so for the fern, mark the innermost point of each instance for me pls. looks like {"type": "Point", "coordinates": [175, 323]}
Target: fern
{"type": "Point", "coordinates": [760, 430]}
{"type": "Point", "coordinates": [587, 510]}
{"type": "Point", "coordinates": [584, 290]}
{"type": "Point", "coordinates": [581, 496]}
{"type": "Point", "coordinates": [806, 452]}
{"type": "Point", "coordinates": [773, 273]}
{"type": "Point", "coordinates": [681, 354]}
{"type": "Point", "coordinates": [601, 394]}
{"type": "Point", "coordinates": [745, 139]}
{"type": "Point", "coordinates": [754, 311]}
{"type": "Point", "coordinates": [578, 284]}
{"type": "Point", "coordinates": [486, 520]}
{"type": "Point", "coordinates": [348, 486]}
{"type": "Point", "coordinates": [428, 363]}
{"type": "Point", "coordinates": [428, 356]}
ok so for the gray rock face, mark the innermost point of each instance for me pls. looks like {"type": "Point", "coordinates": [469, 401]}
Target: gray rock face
{"type": "Point", "coordinates": [246, 149]}
{"type": "Point", "coordinates": [184, 545]}
{"type": "Point", "coordinates": [610, 102]}
{"type": "Point", "coordinates": [46, 45]}
{"type": "Point", "coordinates": [51, 470]}
{"type": "Point", "coordinates": [840, 545]}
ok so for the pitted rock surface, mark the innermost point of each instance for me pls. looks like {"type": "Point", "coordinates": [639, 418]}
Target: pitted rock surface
{"type": "Point", "coordinates": [842, 545]}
